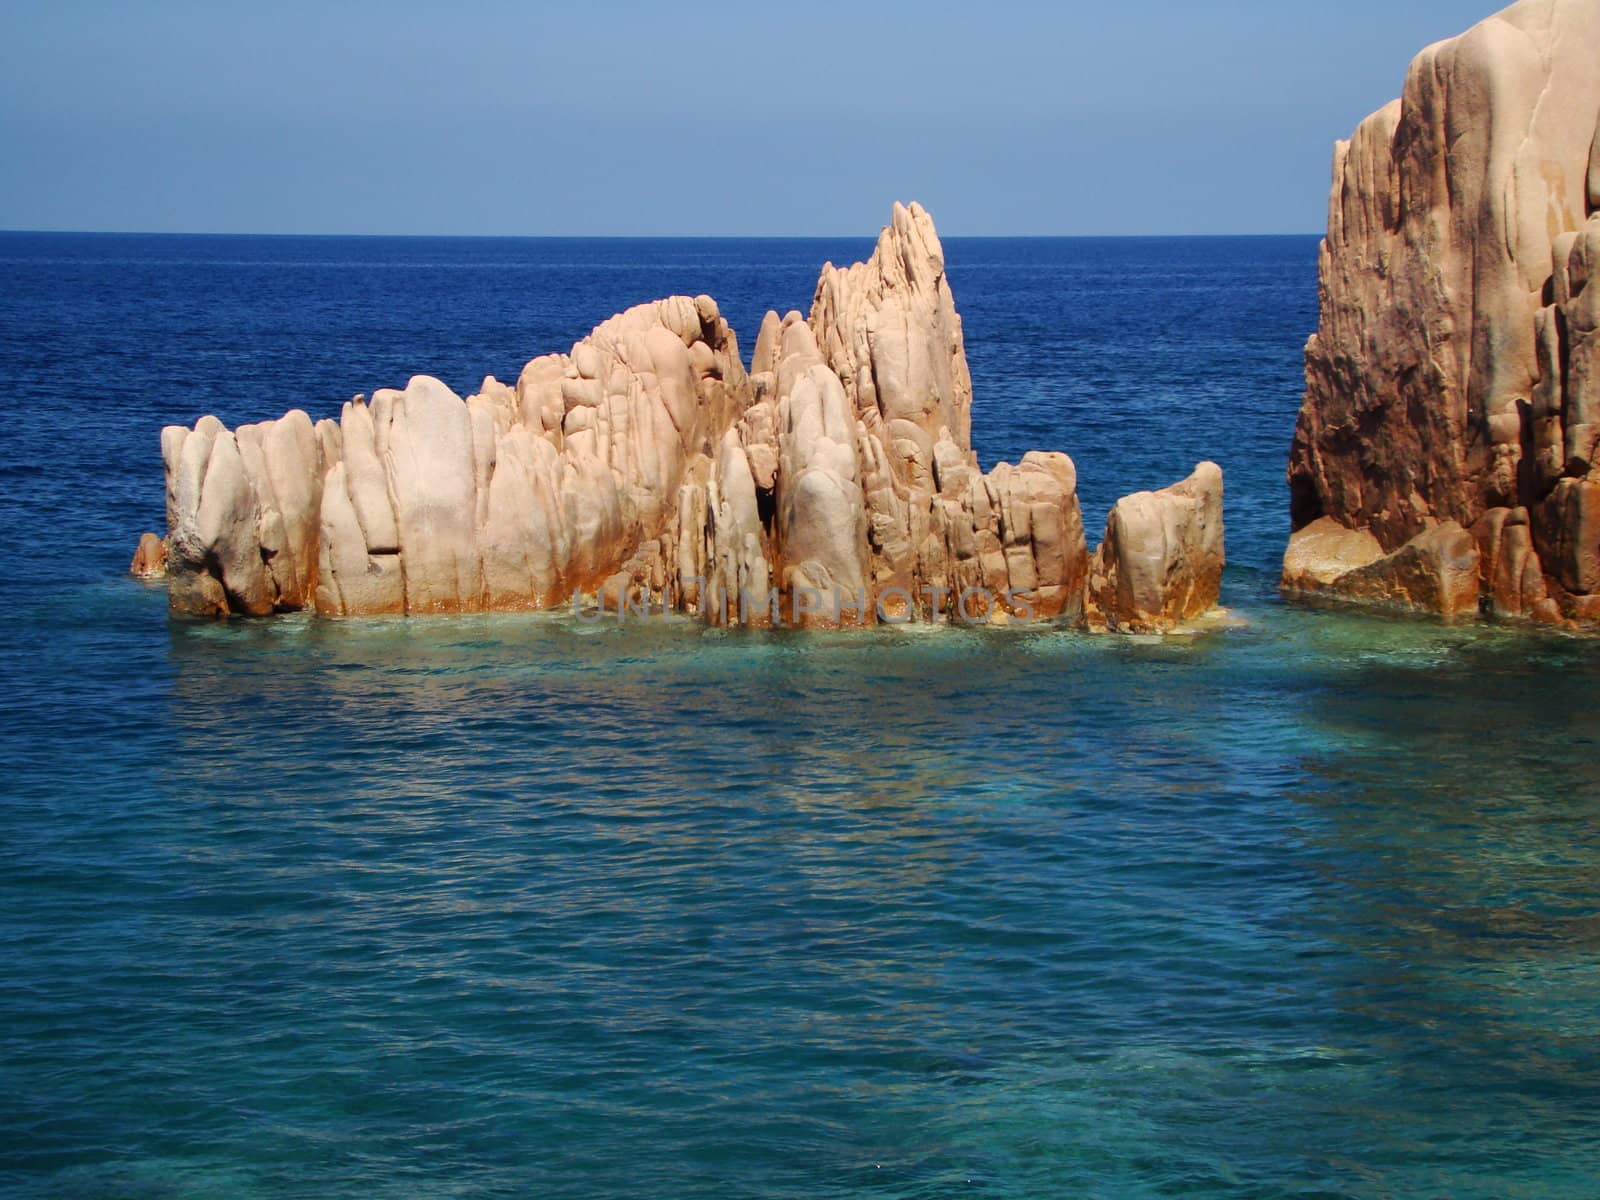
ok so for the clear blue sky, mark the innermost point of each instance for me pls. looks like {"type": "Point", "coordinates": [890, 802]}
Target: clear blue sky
{"type": "Point", "coordinates": [525, 117]}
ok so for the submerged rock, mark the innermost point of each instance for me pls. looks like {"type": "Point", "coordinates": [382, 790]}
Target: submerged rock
{"type": "Point", "coordinates": [1454, 378]}
{"type": "Point", "coordinates": [834, 484]}
{"type": "Point", "coordinates": [1160, 564]}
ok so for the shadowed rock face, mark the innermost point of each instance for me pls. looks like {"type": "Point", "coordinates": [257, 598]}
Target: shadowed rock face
{"type": "Point", "coordinates": [834, 484]}
{"type": "Point", "coordinates": [1455, 372]}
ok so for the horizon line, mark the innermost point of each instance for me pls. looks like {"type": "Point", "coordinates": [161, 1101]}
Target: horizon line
{"type": "Point", "coordinates": [637, 237]}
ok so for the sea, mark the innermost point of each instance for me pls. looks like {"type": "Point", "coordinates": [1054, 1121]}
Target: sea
{"type": "Point", "coordinates": [528, 906]}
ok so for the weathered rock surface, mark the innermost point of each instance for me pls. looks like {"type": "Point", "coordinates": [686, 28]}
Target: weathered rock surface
{"type": "Point", "coordinates": [242, 515]}
{"type": "Point", "coordinates": [149, 558]}
{"type": "Point", "coordinates": [1160, 564]}
{"type": "Point", "coordinates": [888, 329]}
{"type": "Point", "coordinates": [422, 502]}
{"type": "Point", "coordinates": [1455, 372]}
{"type": "Point", "coordinates": [1323, 551]}
{"type": "Point", "coordinates": [1436, 572]}
{"type": "Point", "coordinates": [834, 484]}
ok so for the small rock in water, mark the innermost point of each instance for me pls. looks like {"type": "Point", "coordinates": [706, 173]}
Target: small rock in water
{"type": "Point", "coordinates": [150, 559]}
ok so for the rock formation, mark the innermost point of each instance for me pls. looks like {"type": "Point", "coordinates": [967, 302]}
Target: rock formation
{"type": "Point", "coordinates": [149, 558]}
{"type": "Point", "coordinates": [1453, 383]}
{"type": "Point", "coordinates": [834, 484]}
{"type": "Point", "coordinates": [1436, 572]}
{"type": "Point", "coordinates": [242, 511]}
{"type": "Point", "coordinates": [520, 497]}
{"type": "Point", "coordinates": [1323, 551]}
{"type": "Point", "coordinates": [1160, 564]}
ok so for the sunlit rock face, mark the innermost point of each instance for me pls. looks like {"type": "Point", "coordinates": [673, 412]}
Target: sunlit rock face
{"type": "Point", "coordinates": [833, 484]}
{"type": "Point", "coordinates": [1455, 372]}
{"type": "Point", "coordinates": [1160, 565]}
{"type": "Point", "coordinates": [857, 441]}
{"type": "Point", "coordinates": [420, 501]}
{"type": "Point", "coordinates": [242, 515]}
{"type": "Point", "coordinates": [149, 558]}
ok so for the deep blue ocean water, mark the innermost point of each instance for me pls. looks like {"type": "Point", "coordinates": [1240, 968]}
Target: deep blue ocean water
{"type": "Point", "coordinates": [519, 906]}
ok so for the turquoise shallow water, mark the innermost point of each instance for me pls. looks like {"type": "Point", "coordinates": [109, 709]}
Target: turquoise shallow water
{"type": "Point", "coordinates": [502, 906]}
{"type": "Point", "coordinates": [521, 906]}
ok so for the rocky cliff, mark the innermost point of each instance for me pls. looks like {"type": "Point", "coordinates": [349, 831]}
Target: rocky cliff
{"type": "Point", "coordinates": [1445, 452]}
{"type": "Point", "coordinates": [833, 484]}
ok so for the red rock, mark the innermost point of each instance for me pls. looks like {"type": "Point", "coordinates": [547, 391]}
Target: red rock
{"type": "Point", "coordinates": [1455, 371]}
{"type": "Point", "coordinates": [1160, 564]}
{"type": "Point", "coordinates": [1436, 572]}
{"type": "Point", "coordinates": [1322, 552]}
{"type": "Point", "coordinates": [150, 559]}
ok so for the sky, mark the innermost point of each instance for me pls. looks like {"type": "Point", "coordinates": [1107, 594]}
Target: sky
{"type": "Point", "coordinates": [520, 117]}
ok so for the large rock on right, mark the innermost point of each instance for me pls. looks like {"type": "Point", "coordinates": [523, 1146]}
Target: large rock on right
{"type": "Point", "coordinates": [1453, 382]}
{"type": "Point", "coordinates": [1160, 565]}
